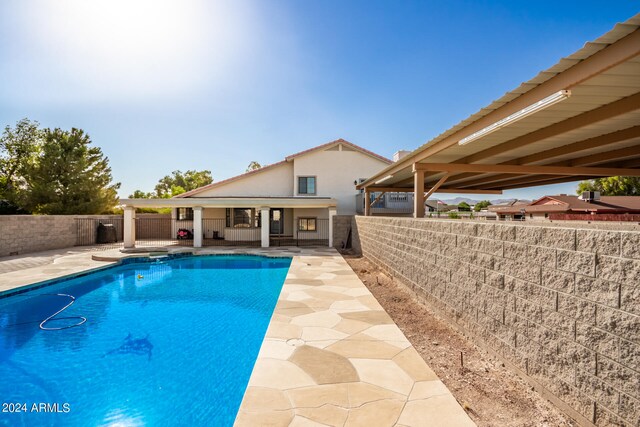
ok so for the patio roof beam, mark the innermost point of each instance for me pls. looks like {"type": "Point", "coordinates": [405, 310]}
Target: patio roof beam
{"type": "Point", "coordinates": [377, 198]}
{"type": "Point", "coordinates": [536, 181]}
{"type": "Point", "coordinates": [522, 169]}
{"type": "Point", "coordinates": [600, 141]}
{"type": "Point", "coordinates": [439, 190]}
{"type": "Point", "coordinates": [594, 159]}
{"type": "Point", "coordinates": [614, 109]}
{"type": "Point", "coordinates": [435, 187]}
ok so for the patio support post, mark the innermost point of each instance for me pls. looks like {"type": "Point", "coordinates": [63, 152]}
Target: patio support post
{"type": "Point", "coordinates": [367, 202]}
{"type": "Point", "coordinates": [264, 224]}
{"type": "Point", "coordinates": [332, 213]}
{"type": "Point", "coordinates": [174, 222]}
{"type": "Point", "coordinates": [418, 192]}
{"type": "Point", "coordinates": [197, 226]}
{"type": "Point", "coordinates": [129, 227]}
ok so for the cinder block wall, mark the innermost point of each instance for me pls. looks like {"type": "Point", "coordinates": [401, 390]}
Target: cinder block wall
{"type": "Point", "coordinates": [21, 234]}
{"type": "Point", "coordinates": [559, 305]}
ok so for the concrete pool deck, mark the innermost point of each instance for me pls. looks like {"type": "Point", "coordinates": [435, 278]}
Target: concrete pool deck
{"type": "Point", "coordinates": [331, 355]}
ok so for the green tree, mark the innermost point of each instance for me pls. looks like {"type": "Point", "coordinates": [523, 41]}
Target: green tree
{"type": "Point", "coordinates": [71, 176]}
{"type": "Point", "coordinates": [464, 206]}
{"type": "Point", "coordinates": [612, 186]}
{"type": "Point", "coordinates": [481, 205]}
{"type": "Point", "coordinates": [178, 182]}
{"type": "Point", "coordinates": [19, 149]}
{"type": "Point", "coordinates": [253, 166]}
{"type": "Point", "coordinates": [139, 194]}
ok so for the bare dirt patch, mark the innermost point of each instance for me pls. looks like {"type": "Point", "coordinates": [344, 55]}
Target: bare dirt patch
{"type": "Point", "coordinates": [490, 393]}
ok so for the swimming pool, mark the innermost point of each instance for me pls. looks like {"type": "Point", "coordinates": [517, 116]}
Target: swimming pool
{"type": "Point", "coordinates": [169, 342]}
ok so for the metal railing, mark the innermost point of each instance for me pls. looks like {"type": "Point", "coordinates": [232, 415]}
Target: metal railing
{"type": "Point", "coordinates": [317, 237]}
{"type": "Point", "coordinates": [152, 232]}
{"type": "Point", "coordinates": [216, 233]}
{"type": "Point", "coordinates": [87, 232]}
{"type": "Point", "coordinates": [163, 231]}
{"type": "Point", "coordinates": [388, 204]}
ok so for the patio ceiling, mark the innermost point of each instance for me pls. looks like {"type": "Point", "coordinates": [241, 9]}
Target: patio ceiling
{"type": "Point", "coordinates": [593, 132]}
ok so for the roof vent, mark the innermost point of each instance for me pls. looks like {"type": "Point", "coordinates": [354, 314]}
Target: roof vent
{"type": "Point", "coordinates": [400, 154]}
{"type": "Point", "coordinates": [590, 196]}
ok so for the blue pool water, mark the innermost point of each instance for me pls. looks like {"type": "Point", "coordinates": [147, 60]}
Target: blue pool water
{"type": "Point", "coordinates": [169, 343]}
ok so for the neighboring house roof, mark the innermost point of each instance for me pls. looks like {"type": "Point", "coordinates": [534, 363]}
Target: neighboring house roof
{"type": "Point", "coordinates": [508, 206]}
{"type": "Point", "coordinates": [566, 203]}
{"type": "Point", "coordinates": [289, 158]}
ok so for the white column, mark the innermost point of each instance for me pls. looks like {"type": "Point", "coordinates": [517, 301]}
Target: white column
{"type": "Point", "coordinates": [129, 229]}
{"type": "Point", "coordinates": [332, 213]}
{"type": "Point", "coordinates": [264, 223]}
{"type": "Point", "coordinates": [174, 223]}
{"type": "Point", "coordinates": [197, 226]}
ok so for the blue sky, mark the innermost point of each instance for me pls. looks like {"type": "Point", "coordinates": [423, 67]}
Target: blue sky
{"type": "Point", "coordinates": [162, 85]}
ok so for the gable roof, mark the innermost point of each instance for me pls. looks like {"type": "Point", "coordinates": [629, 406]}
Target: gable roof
{"type": "Point", "coordinates": [287, 159]}
{"type": "Point", "coordinates": [343, 142]}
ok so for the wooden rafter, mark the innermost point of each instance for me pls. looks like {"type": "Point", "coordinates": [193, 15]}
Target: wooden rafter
{"type": "Point", "coordinates": [439, 190]}
{"type": "Point", "coordinates": [593, 159]}
{"type": "Point", "coordinates": [537, 182]}
{"type": "Point", "coordinates": [377, 198]}
{"type": "Point", "coordinates": [533, 180]}
{"type": "Point", "coordinates": [613, 109]}
{"type": "Point", "coordinates": [436, 186]}
{"type": "Point", "coordinates": [600, 141]}
{"type": "Point", "coordinates": [523, 169]}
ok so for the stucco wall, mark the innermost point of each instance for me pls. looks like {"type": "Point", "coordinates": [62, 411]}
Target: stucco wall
{"type": "Point", "coordinates": [335, 173]}
{"type": "Point", "coordinates": [560, 305]}
{"type": "Point", "coordinates": [20, 234]}
{"type": "Point", "coordinates": [273, 182]}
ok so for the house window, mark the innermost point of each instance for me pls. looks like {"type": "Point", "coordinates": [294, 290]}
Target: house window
{"type": "Point", "coordinates": [228, 217]}
{"type": "Point", "coordinates": [185, 214]}
{"type": "Point", "coordinates": [242, 218]}
{"type": "Point", "coordinates": [306, 224]}
{"type": "Point", "coordinates": [306, 185]}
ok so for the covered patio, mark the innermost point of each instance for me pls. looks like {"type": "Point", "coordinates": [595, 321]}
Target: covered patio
{"type": "Point", "coordinates": [232, 221]}
{"type": "Point", "coordinates": [574, 121]}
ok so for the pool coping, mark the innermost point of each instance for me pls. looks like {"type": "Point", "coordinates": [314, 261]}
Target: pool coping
{"type": "Point", "coordinates": [331, 354]}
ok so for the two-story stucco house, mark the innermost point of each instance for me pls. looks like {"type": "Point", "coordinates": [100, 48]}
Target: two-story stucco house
{"type": "Point", "coordinates": [294, 199]}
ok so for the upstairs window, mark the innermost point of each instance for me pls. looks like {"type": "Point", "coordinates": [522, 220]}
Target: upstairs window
{"type": "Point", "coordinates": [185, 214]}
{"type": "Point", "coordinates": [306, 185]}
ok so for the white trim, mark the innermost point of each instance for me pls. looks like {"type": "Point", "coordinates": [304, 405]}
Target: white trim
{"type": "Point", "coordinates": [232, 202]}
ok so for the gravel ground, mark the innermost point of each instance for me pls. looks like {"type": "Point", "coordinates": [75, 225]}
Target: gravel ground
{"type": "Point", "coordinates": [491, 394]}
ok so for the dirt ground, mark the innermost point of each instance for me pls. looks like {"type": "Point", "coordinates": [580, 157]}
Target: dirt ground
{"type": "Point", "coordinates": [490, 393]}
